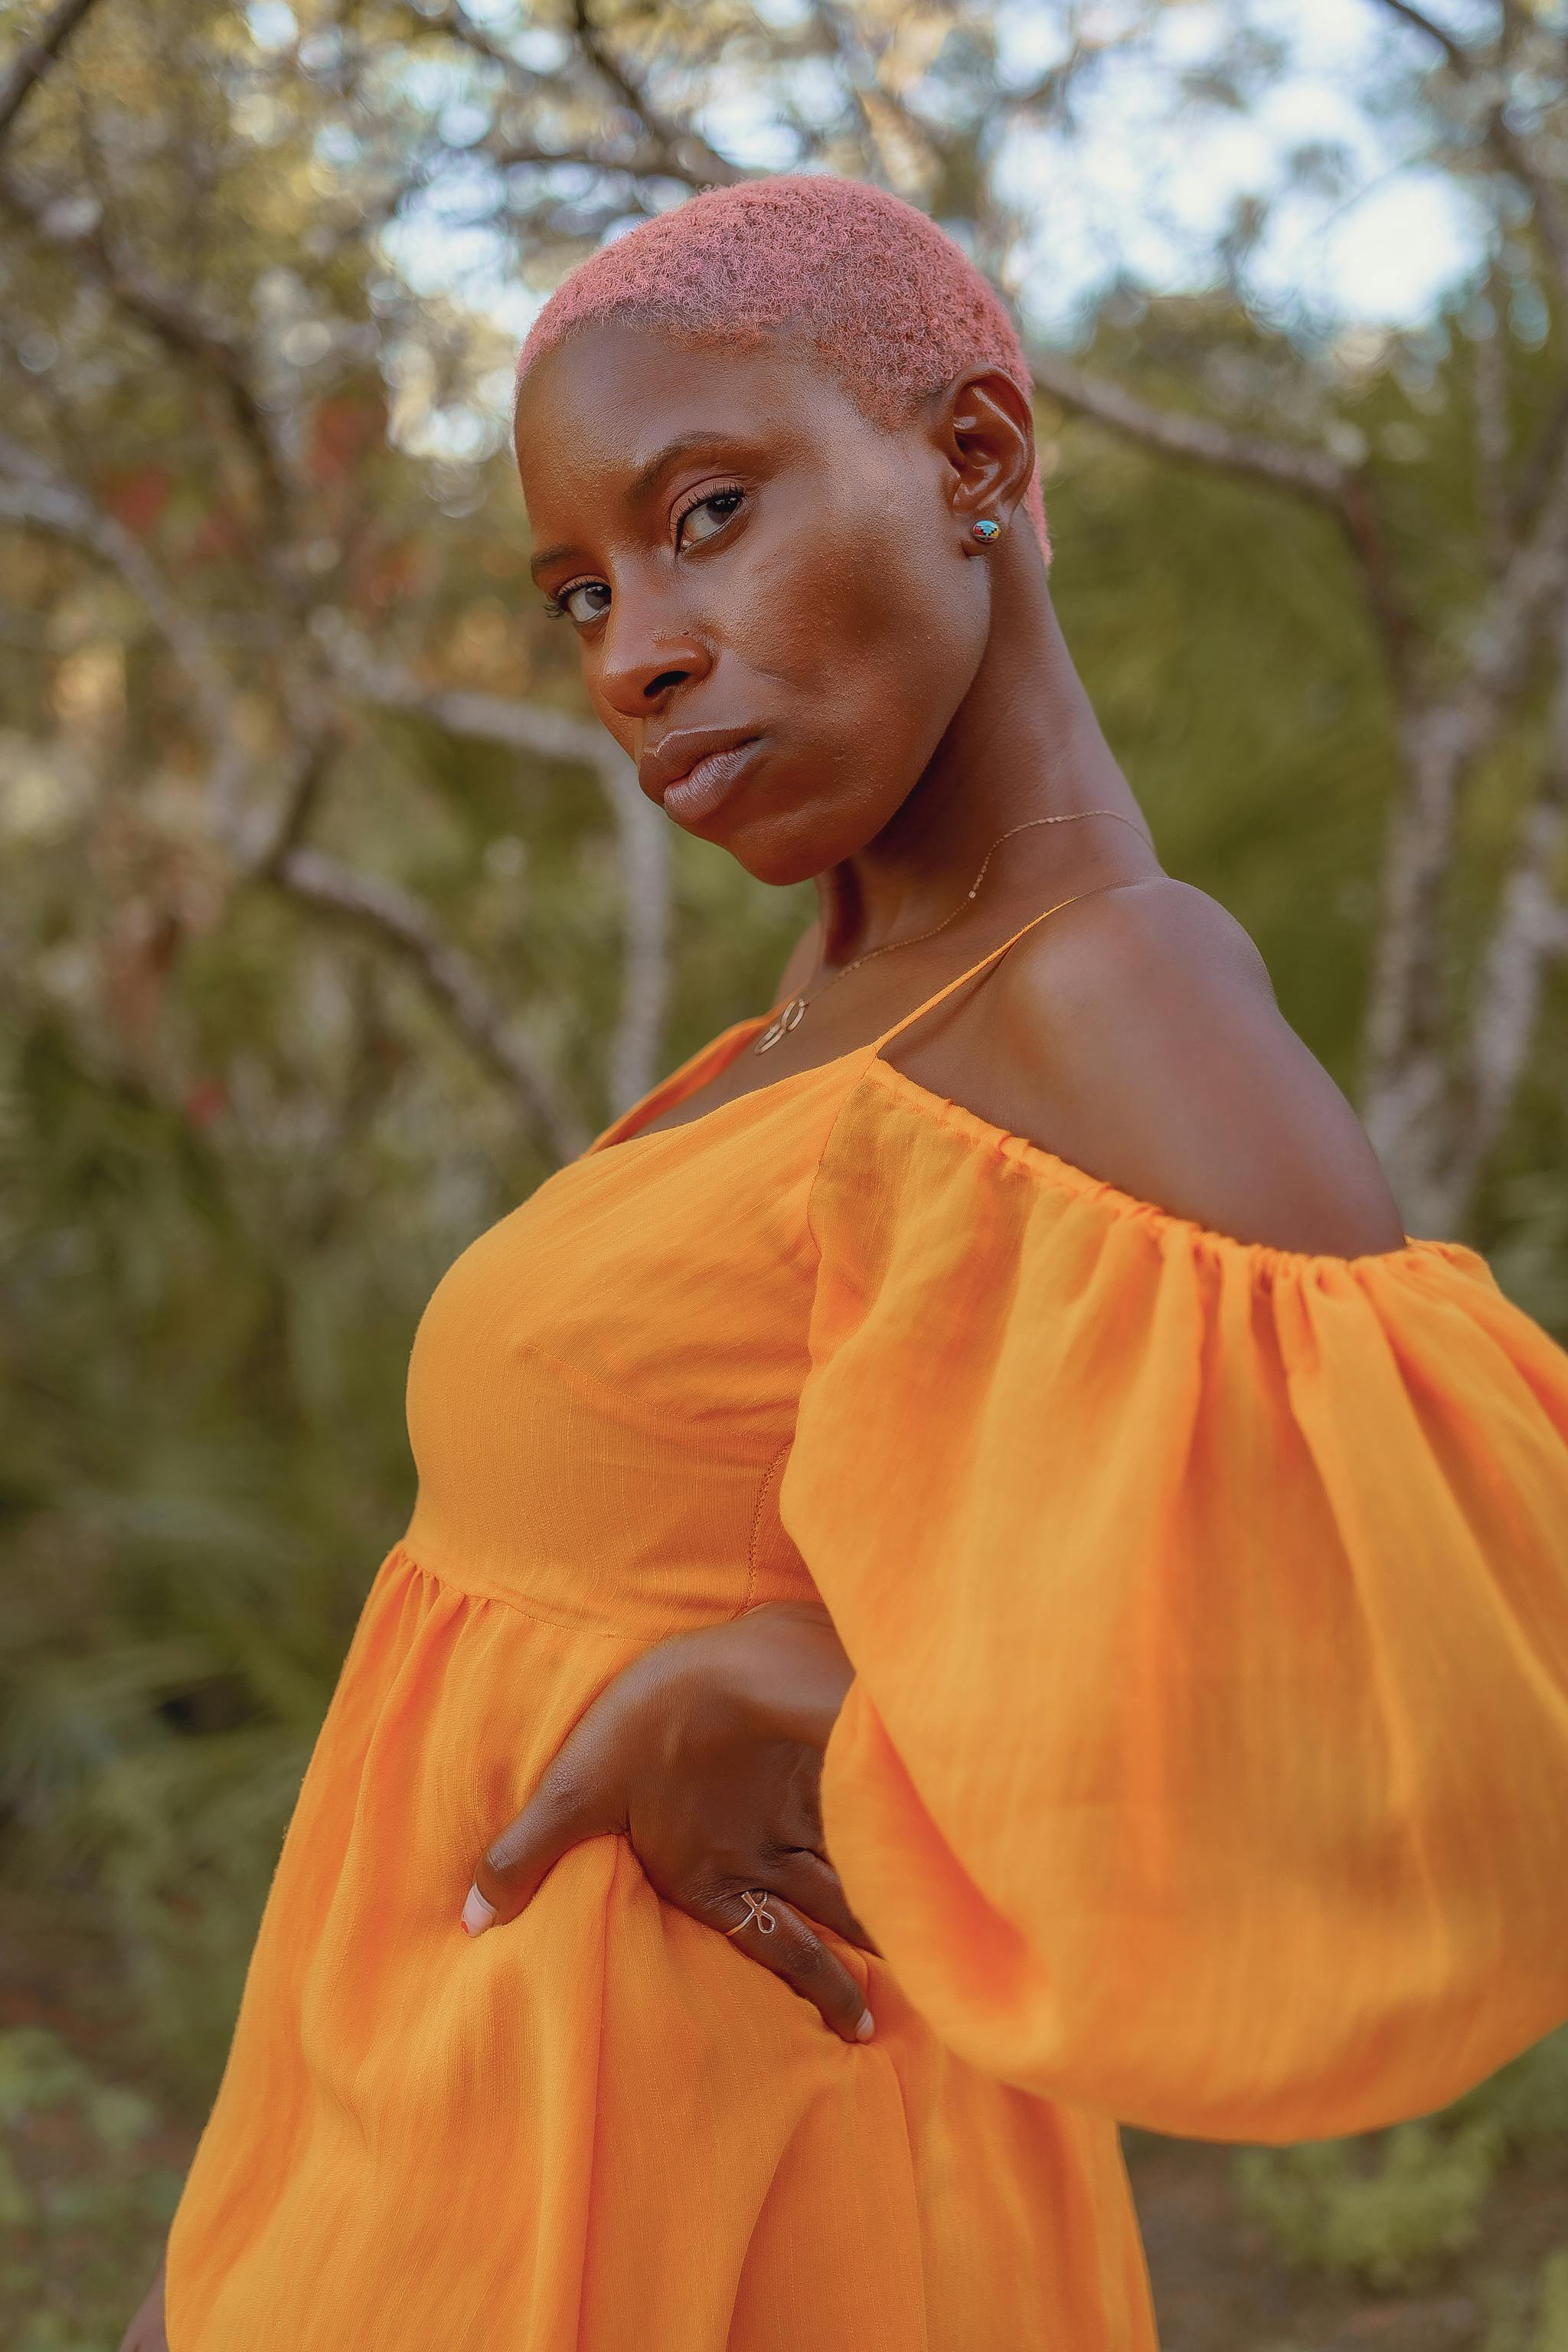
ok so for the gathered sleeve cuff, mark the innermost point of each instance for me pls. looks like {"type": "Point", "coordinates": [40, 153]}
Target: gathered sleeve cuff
{"type": "Point", "coordinates": [1206, 1759]}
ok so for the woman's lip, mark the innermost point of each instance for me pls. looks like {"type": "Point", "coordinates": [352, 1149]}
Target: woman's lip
{"type": "Point", "coordinates": [699, 792]}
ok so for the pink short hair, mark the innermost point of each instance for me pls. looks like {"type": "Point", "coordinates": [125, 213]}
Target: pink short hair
{"type": "Point", "coordinates": [893, 307]}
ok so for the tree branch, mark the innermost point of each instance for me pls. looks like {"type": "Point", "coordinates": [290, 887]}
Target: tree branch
{"type": "Point", "coordinates": [1197, 440]}
{"type": "Point", "coordinates": [299, 799]}
{"type": "Point", "coordinates": [37, 56]}
{"type": "Point", "coordinates": [1488, 361]}
{"type": "Point", "coordinates": [1408, 1099]}
{"type": "Point", "coordinates": [493, 717]}
{"type": "Point", "coordinates": [1531, 929]}
{"type": "Point", "coordinates": [402, 924]}
{"type": "Point", "coordinates": [1540, 465]}
{"type": "Point", "coordinates": [848, 53]}
{"type": "Point", "coordinates": [1308, 473]}
{"type": "Point", "coordinates": [32, 493]}
{"type": "Point", "coordinates": [668, 137]}
{"type": "Point", "coordinates": [659, 160]}
{"type": "Point", "coordinates": [1504, 140]}
{"type": "Point", "coordinates": [647, 163]}
{"type": "Point", "coordinates": [643, 836]}
{"type": "Point", "coordinates": [1459, 57]}
{"type": "Point", "coordinates": [178, 326]}
{"type": "Point", "coordinates": [424, 18]}
{"type": "Point", "coordinates": [455, 21]}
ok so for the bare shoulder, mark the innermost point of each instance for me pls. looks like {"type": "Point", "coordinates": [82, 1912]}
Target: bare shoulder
{"type": "Point", "coordinates": [1136, 1035]}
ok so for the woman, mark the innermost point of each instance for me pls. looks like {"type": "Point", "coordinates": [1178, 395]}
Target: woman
{"type": "Point", "coordinates": [995, 1381]}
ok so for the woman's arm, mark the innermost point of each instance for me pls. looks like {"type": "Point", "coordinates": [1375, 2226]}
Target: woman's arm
{"type": "Point", "coordinates": [1208, 1607]}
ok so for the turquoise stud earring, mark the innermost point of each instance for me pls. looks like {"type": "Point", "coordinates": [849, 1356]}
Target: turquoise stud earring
{"type": "Point", "coordinates": [985, 530]}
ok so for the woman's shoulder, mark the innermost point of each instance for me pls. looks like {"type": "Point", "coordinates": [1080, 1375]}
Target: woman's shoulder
{"type": "Point", "coordinates": [1135, 1035]}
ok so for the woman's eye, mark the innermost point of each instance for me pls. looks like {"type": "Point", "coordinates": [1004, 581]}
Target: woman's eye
{"type": "Point", "coordinates": [707, 517]}
{"type": "Point", "coordinates": [589, 599]}
{"type": "Point", "coordinates": [583, 602]}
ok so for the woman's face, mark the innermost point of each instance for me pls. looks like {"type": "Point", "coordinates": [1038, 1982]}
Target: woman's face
{"type": "Point", "coordinates": [775, 613]}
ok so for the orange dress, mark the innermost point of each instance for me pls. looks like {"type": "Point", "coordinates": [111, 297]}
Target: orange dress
{"type": "Point", "coordinates": [1205, 1764]}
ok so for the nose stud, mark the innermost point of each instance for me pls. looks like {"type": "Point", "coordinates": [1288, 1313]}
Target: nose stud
{"type": "Point", "coordinates": [985, 530]}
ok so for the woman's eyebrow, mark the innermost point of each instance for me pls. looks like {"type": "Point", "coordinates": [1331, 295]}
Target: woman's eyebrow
{"type": "Point", "coordinates": [647, 474]}
{"type": "Point", "coordinates": [545, 557]}
{"type": "Point", "coordinates": [643, 480]}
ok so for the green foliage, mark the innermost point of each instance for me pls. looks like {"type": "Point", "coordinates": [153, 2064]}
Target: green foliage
{"type": "Point", "coordinates": [1386, 2216]}
{"type": "Point", "coordinates": [1533, 2318]}
{"type": "Point", "coordinates": [83, 2200]}
{"type": "Point", "coordinates": [1387, 2209]}
{"type": "Point", "coordinates": [1525, 2103]}
{"type": "Point", "coordinates": [184, 1554]}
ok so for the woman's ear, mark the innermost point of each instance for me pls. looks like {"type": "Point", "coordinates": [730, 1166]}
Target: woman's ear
{"type": "Point", "coordinates": [985, 428]}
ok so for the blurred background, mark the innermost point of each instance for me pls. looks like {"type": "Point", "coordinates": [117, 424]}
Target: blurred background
{"type": "Point", "coordinates": [328, 925]}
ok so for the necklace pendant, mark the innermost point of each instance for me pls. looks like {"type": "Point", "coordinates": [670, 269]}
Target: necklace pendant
{"type": "Point", "coordinates": [779, 1027]}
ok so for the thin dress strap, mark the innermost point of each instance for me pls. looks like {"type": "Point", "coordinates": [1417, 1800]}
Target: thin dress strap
{"type": "Point", "coordinates": [990, 957]}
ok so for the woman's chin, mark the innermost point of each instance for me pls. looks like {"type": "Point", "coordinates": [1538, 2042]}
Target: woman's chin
{"type": "Point", "coordinates": [781, 864]}
{"type": "Point", "coordinates": [774, 846]}
{"type": "Point", "coordinates": [782, 845]}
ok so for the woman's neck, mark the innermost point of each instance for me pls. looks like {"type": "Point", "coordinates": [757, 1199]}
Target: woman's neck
{"type": "Point", "coordinates": [1023, 743]}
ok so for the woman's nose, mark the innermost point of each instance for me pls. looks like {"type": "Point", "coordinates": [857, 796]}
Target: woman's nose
{"type": "Point", "coordinates": [641, 663]}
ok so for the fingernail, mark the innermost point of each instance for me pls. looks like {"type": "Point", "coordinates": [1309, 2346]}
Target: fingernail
{"type": "Point", "coordinates": [477, 1914]}
{"type": "Point", "coordinates": [866, 2026]}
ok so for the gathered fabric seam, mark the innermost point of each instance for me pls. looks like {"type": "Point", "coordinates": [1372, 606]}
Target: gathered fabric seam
{"type": "Point", "coordinates": [476, 1590]}
{"type": "Point", "coordinates": [1033, 1162]}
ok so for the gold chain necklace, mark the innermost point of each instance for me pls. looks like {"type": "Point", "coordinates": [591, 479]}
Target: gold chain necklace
{"type": "Point", "coordinates": [791, 1015]}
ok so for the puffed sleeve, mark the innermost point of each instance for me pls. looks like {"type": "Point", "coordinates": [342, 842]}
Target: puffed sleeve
{"type": "Point", "coordinates": [1206, 1759]}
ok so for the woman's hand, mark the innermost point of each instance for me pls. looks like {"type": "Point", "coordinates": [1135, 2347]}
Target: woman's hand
{"type": "Point", "coordinates": [145, 2332]}
{"type": "Point", "coordinates": [706, 1753]}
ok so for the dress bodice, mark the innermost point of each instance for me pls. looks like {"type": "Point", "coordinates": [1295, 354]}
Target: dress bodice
{"type": "Point", "coordinates": [603, 1391]}
{"type": "Point", "coordinates": [604, 1468]}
